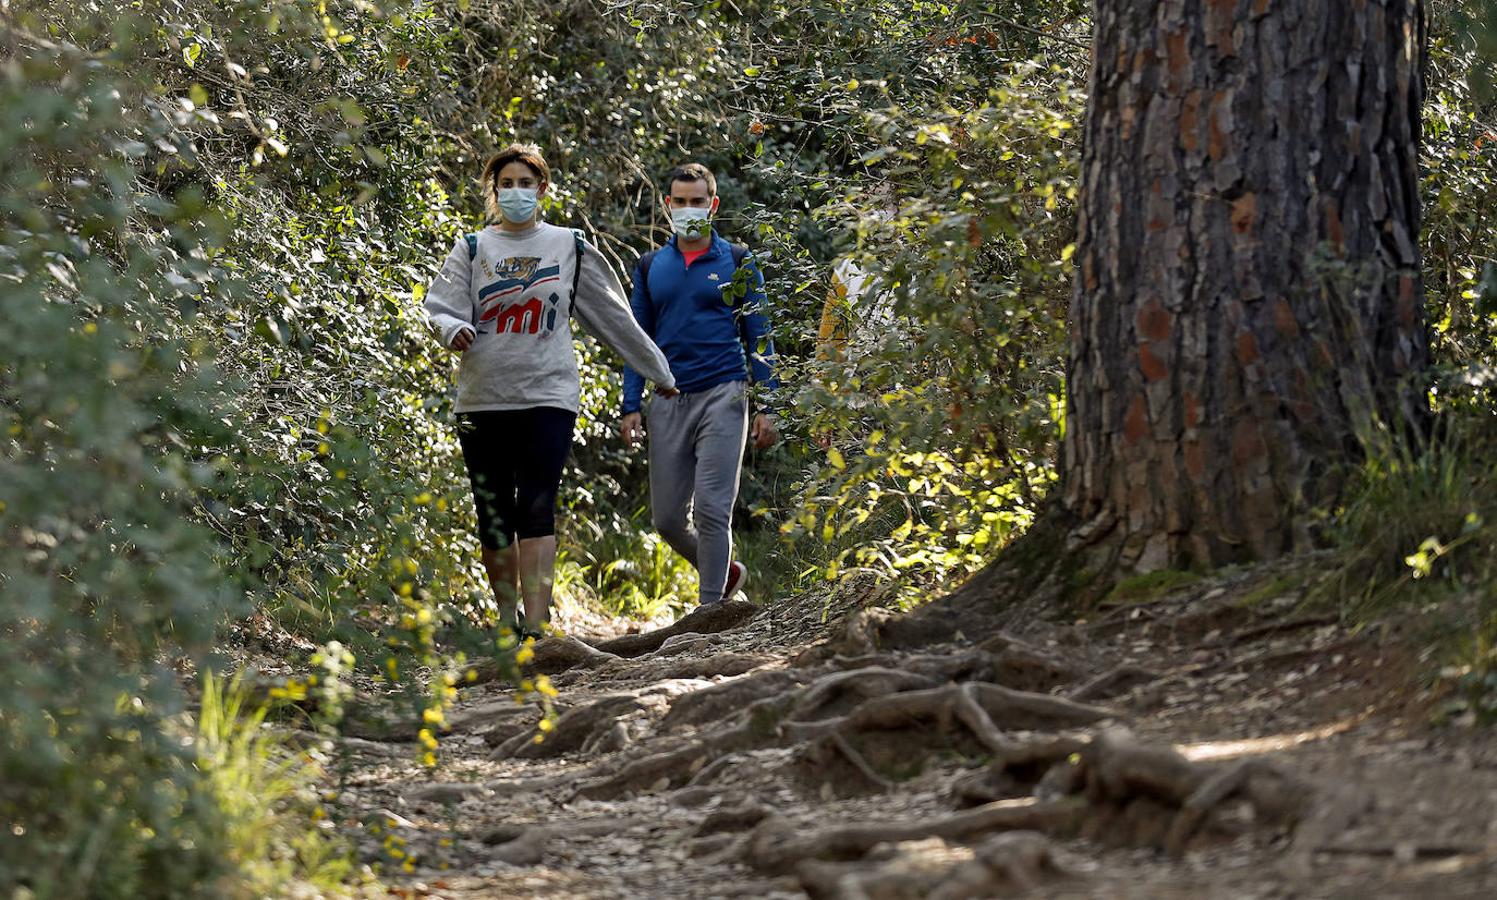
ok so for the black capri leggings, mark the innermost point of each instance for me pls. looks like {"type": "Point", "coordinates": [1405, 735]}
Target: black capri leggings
{"type": "Point", "coordinates": [514, 459]}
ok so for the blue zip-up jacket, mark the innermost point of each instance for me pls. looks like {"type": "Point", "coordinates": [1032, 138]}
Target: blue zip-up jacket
{"type": "Point", "coordinates": [706, 340]}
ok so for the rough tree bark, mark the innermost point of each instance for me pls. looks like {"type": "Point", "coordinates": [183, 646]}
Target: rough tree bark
{"type": "Point", "coordinates": [1247, 305]}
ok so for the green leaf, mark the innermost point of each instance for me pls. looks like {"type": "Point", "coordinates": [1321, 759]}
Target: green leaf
{"type": "Point", "coordinates": [270, 329]}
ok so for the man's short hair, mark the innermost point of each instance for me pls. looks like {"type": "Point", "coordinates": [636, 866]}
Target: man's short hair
{"type": "Point", "coordinates": [692, 172]}
{"type": "Point", "coordinates": [529, 154]}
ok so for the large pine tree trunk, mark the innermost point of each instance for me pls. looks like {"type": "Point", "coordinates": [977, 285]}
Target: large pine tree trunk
{"type": "Point", "coordinates": [1247, 301]}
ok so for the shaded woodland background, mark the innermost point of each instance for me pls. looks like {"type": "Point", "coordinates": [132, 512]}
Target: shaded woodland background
{"type": "Point", "coordinates": [225, 423]}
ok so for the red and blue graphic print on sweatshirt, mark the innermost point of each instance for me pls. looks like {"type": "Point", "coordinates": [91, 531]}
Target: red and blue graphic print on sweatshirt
{"type": "Point", "coordinates": [708, 338]}
{"type": "Point", "coordinates": [511, 303]}
{"type": "Point", "coordinates": [513, 289]}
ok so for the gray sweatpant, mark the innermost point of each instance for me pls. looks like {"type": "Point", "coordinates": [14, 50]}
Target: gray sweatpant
{"type": "Point", "coordinates": [696, 451]}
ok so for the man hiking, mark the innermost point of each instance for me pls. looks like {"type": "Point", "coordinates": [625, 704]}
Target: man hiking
{"type": "Point", "coordinates": [702, 301]}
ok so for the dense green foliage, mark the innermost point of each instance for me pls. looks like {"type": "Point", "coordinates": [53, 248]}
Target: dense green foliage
{"type": "Point", "coordinates": [222, 414]}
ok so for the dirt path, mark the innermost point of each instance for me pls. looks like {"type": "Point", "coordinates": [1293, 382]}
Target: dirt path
{"type": "Point", "coordinates": [765, 753]}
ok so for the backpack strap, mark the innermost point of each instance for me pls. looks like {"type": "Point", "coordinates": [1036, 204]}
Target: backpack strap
{"type": "Point", "coordinates": [472, 246]}
{"type": "Point", "coordinates": [644, 264]}
{"type": "Point", "coordinates": [581, 247]}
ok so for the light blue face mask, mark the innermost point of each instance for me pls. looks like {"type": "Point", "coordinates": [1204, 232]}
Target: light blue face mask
{"type": "Point", "coordinates": [517, 204]}
{"type": "Point", "coordinates": [691, 222]}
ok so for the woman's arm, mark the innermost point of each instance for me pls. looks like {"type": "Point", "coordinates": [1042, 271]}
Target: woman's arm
{"type": "Point", "coordinates": [449, 299]}
{"type": "Point", "coordinates": [600, 306]}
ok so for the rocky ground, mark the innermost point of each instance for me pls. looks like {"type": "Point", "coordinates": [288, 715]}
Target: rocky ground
{"type": "Point", "coordinates": [1217, 740]}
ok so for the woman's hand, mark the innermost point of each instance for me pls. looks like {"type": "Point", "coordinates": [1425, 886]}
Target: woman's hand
{"type": "Point", "coordinates": [463, 339]}
{"type": "Point", "coordinates": [667, 392]}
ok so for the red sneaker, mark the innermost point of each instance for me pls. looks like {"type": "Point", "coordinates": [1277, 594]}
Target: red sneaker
{"type": "Point", "coordinates": [737, 575]}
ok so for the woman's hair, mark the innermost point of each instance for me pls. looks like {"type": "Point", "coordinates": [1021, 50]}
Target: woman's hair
{"type": "Point", "coordinates": [529, 154]}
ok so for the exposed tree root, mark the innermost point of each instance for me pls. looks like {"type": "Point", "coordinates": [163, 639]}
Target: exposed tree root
{"type": "Point", "coordinates": [503, 732]}
{"type": "Point", "coordinates": [1003, 864]}
{"type": "Point", "coordinates": [1016, 768]}
{"type": "Point", "coordinates": [594, 724]}
{"type": "Point", "coordinates": [702, 620]}
{"type": "Point", "coordinates": [738, 817]}
{"type": "Point", "coordinates": [1017, 710]}
{"type": "Point", "coordinates": [713, 769]}
{"type": "Point", "coordinates": [573, 729]}
{"type": "Point", "coordinates": [723, 701]}
{"type": "Point", "coordinates": [1122, 618]}
{"type": "Point", "coordinates": [889, 706]}
{"type": "Point", "coordinates": [486, 715]}
{"type": "Point", "coordinates": [1029, 669]}
{"type": "Point", "coordinates": [1328, 819]}
{"type": "Point", "coordinates": [305, 738]}
{"type": "Point", "coordinates": [526, 845]}
{"type": "Point", "coordinates": [1114, 682]}
{"type": "Point", "coordinates": [659, 771]}
{"type": "Point", "coordinates": [1115, 770]}
{"type": "Point", "coordinates": [683, 643]}
{"type": "Point", "coordinates": [973, 705]}
{"type": "Point", "coordinates": [1248, 635]}
{"type": "Point", "coordinates": [718, 666]}
{"type": "Point", "coordinates": [554, 654]}
{"type": "Point", "coordinates": [869, 718]}
{"type": "Point", "coordinates": [542, 783]}
{"type": "Point", "coordinates": [776, 846]}
{"type": "Point", "coordinates": [857, 716]}
{"type": "Point", "coordinates": [827, 695]}
{"type": "Point", "coordinates": [836, 741]}
{"type": "Point", "coordinates": [446, 792]}
{"type": "Point", "coordinates": [1002, 660]}
{"type": "Point", "coordinates": [608, 740]}
{"type": "Point", "coordinates": [1146, 794]}
{"type": "Point", "coordinates": [872, 630]}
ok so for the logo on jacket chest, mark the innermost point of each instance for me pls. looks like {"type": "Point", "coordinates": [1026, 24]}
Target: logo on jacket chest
{"type": "Point", "coordinates": [512, 301]}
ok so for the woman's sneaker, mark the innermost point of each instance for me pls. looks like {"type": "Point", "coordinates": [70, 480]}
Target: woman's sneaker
{"type": "Point", "coordinates": [737, 575]}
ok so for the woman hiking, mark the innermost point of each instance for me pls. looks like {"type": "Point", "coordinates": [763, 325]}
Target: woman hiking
{"type": "Point", "coordinates": [504, 299]}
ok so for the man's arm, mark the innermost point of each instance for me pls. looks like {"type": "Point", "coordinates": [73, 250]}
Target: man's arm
{"type": "Point", "coordinates": [758, 344]}
{"type": "Point", "coordinates": [754, 328]}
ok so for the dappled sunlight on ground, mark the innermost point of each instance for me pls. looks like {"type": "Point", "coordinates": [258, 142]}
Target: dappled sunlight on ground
{"type": "Point", "coordinates": [1209, 750]}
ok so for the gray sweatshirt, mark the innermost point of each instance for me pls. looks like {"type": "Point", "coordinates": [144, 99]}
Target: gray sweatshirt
{"type": "Point", "coordinates": [514, 295]}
